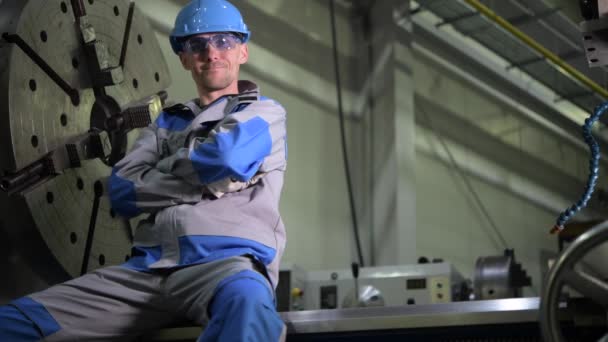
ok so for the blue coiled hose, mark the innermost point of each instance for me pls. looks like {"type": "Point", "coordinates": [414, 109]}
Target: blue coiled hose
{"type": "Point", "coordinates": [594, 166]}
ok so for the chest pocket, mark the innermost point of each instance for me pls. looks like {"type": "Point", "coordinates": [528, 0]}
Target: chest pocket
{"type": "Point", "coordinates": [202, 131]}
{"type": "Point", "coordinates": [174, 129]}
{"type": "Point", "coordinates": [169, 144]}
{"type": "Point", "coordinates": [174, 141]}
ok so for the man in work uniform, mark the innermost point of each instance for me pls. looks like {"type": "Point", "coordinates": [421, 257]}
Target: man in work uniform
{"type": "Point", "coordinates": [209, 175]}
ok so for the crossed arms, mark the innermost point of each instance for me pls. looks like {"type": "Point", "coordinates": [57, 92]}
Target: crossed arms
{"type": "Point", "coordinates": [236, 154]}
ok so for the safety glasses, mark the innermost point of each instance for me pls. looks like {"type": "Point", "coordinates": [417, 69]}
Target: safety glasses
{"type": "Point", "coordinates": [220, 41]}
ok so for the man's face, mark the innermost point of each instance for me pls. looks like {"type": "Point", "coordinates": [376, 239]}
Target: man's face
{"type": "Point", "coordinates": [214, 59]}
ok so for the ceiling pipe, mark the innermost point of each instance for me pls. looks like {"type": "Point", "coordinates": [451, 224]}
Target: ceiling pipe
{"type": "Point", "coordinates": [565, 67]}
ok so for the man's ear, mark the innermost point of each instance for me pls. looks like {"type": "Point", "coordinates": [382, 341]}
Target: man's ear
{"type": "Point", "coordinates": [185, 60]}
{"type": "Point", "coordinates": [244, 57]}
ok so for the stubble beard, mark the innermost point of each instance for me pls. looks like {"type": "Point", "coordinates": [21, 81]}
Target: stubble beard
{"type": "Point", "coordinates": [214, 83]}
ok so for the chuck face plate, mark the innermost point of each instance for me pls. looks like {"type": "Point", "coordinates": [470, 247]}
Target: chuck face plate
{"type": "Point", "coordinates": [77, 78]}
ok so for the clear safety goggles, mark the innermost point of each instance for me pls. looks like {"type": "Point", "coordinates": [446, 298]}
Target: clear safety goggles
{"type": "Point", "coordinates": [219, 41]}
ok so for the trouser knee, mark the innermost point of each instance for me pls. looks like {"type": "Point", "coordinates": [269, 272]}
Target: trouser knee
{"type": "Point", "coordinates": [16, 326]}
{"type": "Point", "coordinates": [243, 309]}
{"type": "Point", "coordinates": [24, 320]}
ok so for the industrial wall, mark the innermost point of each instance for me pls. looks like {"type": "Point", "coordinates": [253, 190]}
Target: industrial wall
{"type": "Point", "coordinates": [442, 165]}
{"type": "Point", "coordinates": [491, 173]}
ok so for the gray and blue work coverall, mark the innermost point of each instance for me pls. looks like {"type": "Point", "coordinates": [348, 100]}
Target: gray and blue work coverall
{"type": "Point", "coordinates": [210, 179]}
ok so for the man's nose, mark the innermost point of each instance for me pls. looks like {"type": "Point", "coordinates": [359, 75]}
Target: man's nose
{"type": "Point", "coordinates": [211, 52]}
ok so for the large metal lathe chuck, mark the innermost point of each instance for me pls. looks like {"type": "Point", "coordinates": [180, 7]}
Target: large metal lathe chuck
{"type": "Point", "coordinates": [76, 80]}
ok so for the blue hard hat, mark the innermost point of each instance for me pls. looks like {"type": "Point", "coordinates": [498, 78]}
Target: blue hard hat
{"type": "Point", "coordinates": [204, 16]}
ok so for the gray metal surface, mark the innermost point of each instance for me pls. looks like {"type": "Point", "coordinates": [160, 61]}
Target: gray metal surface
{"type": "Point", "coordinates": [47, 227]}
{"type": "Point", "coordinates": [367, 296]}
{"type": "Point", "coordinates": [492, 278]}
{"type": "Point", "coordinates": [378, 323]}
{"type": "Point", "coordinates": [499, 277]}
{"type": "Point", "coordinates": [498, 311]}
{"type": "Point", "coordinates": [398, 285]}
{"type": "Point", "coordinates": [593, 40]}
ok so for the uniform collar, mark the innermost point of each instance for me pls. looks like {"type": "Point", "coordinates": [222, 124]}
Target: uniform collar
{"type": "Point", "coordinates": [216, 110]}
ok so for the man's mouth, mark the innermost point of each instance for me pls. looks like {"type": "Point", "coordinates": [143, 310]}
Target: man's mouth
{"type": "Point", "coordinates": [214, 66]}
